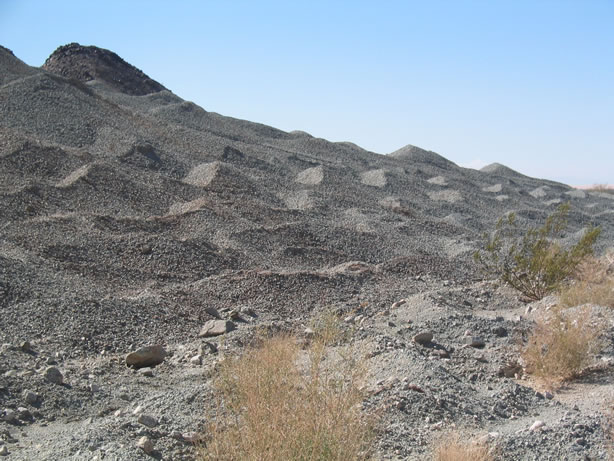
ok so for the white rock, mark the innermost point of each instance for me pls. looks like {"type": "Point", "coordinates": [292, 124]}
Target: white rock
{"type": "Point", "coordinates": [9, 416]}
{"type": "Point", "coordinates": [4, 451]}
{"type": "Point", "coordinates": [146, 445]}
{"type": "Point", "coordinates": [196, 360]}
{"type": "Point", "coordinates": [537, 425]}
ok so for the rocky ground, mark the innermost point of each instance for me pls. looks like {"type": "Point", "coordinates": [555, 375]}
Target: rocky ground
{"type": "Point", "coordinates": [131, 218]}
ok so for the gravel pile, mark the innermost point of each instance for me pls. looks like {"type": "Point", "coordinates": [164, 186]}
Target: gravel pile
{"type": "Point", "coordinates": [130, 217]}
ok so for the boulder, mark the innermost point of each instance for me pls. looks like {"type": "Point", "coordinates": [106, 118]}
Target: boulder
{"type": "Point", "coordinates": [146, 445]}
{"type": "Point", "coordinates": [424, 337]}
{"type": "Point", "coordinates": [216, 328]}
{"type": "Point", "coordinates": [148, 356]}
{"type": "Point", "coordinates": [53, 375]}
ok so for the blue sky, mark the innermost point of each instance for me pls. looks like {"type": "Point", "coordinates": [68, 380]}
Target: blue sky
{"type": "Point", "coordinates": [529, 84]}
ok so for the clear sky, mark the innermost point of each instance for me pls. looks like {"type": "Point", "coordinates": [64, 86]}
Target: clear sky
{"type": "Point", "coordinates": [529, 84]}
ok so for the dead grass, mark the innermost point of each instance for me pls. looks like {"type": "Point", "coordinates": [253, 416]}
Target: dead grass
{"type": "Point", "coordinates": [453, 447]}
{"type": "Point", "coordinates": [594, 283]}
{"type": "Point", "coordinates": [283, 403]}
{"type": "Point", "coordinates": [563, 344]}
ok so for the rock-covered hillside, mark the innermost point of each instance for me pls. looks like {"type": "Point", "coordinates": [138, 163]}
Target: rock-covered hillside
{"type": "Point", "coordinates": [130, 217]}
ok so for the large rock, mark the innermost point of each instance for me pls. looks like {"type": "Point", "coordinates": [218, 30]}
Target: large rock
{"type": "Point", "coordinates": [145, 444]}
{"type": "Point", "coordinates": [216, 328]}
{"type": "Point", "coordinates": [148, 356]}
{"type": "Point", "coordinates": [53, 375]}
{"type": "Point", "coordinates": [424, 337]}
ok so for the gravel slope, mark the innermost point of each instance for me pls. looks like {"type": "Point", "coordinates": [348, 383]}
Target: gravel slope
{"type": "Point", "coordinates": [127, 213]}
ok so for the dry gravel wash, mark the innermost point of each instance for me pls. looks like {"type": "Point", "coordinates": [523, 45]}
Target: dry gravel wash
{"type": "Point", "coordinates": [125, 220]}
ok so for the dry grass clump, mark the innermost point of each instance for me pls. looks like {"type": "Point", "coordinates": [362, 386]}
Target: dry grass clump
{"type": "Point", "coordinates": [454, 448]}
{"type": "Point", "coordinates": [563, 344]}
{"type": "Point", "coordinates": [283, 403]}
{"type": "Point", "coordinates": [594, 283]}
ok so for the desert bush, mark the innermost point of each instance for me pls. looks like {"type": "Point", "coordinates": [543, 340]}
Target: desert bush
{"type": "Point", "coordinates": [283, 403]}
{"type": "Point", "coordinates": [563, 344]}
{"type": "Point", "coordinates": [533, 263]}
{"type": "Point", "coordinates": [593, 283]}
{"type": "Point", "coordinates": [453, 447]}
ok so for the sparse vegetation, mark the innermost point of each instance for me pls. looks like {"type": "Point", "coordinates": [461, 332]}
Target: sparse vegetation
{"type": "Point", "coordinates": [453, 447]}
{"type": "Point", "coordinates": [601, 188]}
{"type": "Point", "coordinates": [563, 343]}
{"type": "Point", "coordinates": [534, 263]}
{"type": "Point", "coordinates": [282, 403]}
{"type": "Point", "coordinates": [593, 283]}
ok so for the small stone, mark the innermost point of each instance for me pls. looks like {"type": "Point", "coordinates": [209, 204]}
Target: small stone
{"type": "Point", "coordinates": [474, 341]}
{"type": "Point", "coordinates": [196, 360]}
{"type": "Point", "coordinates": [148, 356]}
{"type": "Point", "coordinates": [191, 437]}
{"type": "Point", "coordinates": [213, 312]}
{"type": "Point", "coordinates": [424, 337]}
{"type": "Point", "coordinates": [30, 397]}
{"type": "Point", "coordinates": [4, 451]}
{"type": "Point", "coordinates": [10, 416]}
{"type": "Point", "coordinates": [207, 348]}
{"type": "Point", "coordinates": [146, 445]}
{"type": "Point", "coordinates": [309, 332]}
{"type": "Point", "coordinates": [536, 426]}
{"type": "Point", "coordinates": [94, 388]}
{"type": "Point", "coordinates": [548, 395]}
{"type": "Point", "coordinates": [147, 420]}
{"type": "Point", "coordinates": [500, 331]}
{"type": "Point", "coordinates": [397, 304]}
{"type": "Point", "coordinates": [53, 375]}
{"type": "Point", "coordinates": [511, 370]}
{"type": "Point", "coordinates": [216, 328]}
{"type": "Point", "coordinates": [440, 353]}
{"type": "Point", "coordinates": [51, 361]}
{"type": "Point", "coordinates": [147, 371]}
{"type": "Point", "coordinates": [235, 314]}
{"type": "Point", "coordinates": [26, 346]}
{"type": "Point", "coordinates": [24, 414]}
{"type": "Point", "coordinates": [176, 435]}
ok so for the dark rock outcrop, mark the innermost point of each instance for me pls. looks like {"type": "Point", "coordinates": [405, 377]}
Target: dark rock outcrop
{"type": "Point", "coordinates": [86, 63]}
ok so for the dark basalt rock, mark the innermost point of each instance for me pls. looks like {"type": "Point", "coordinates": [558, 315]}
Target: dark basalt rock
{"type": "Point", "coordinates": [86, 63]}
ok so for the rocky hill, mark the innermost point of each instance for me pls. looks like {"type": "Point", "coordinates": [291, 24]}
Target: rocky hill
{"type": "Point", "coordinates": [130, 217]}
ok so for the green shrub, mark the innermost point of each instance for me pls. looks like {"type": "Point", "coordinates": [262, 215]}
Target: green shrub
{"type": "Point", "coordinates": [534, 264]}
